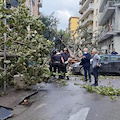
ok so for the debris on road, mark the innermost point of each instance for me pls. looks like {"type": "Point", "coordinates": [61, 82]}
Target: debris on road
{"type": "Point", "coordinates": [103, 90]}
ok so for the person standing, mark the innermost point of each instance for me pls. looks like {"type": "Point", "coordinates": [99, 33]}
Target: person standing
{"type": "Point", "coordinates": [58, 60]}
{"type": "Point", "coordinates": [79, 53]}
{"type": "Point", "coordinates": [66, 58]}
{"type": "Point", "coordinates": [86, 64]}
{"type": "Point", "coordinates": [61, 51]}
{"type": "Point", "coordinates": [95, 66]}
{"type": "Point", "coordinates": [114, 52]}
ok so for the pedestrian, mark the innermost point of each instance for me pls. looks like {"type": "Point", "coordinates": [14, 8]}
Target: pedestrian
{"type": "Point", "coordinates": [95, 66]}
{"type": "Point", "coordinates": [58, 60]}
{"type": "Point", "coordinates": [61, 51]}
{"type": "Point", "coordinates": [80, 53]}
{"type": "Point", "coordinates": [114, 52]}
{"type": "Point", "coordinates": [66, 58]}
{"type": "Point", "coordinates": [86, 64]}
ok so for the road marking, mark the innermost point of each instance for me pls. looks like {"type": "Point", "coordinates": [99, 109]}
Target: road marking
{"type": "Point", "coordinates": [80, 115]}
{"type": "Point", "coordinates": [40, 106]}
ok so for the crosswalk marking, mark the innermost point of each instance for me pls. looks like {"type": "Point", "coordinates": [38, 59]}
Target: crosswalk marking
{"type": "Point", "coordinates": [80, 115]}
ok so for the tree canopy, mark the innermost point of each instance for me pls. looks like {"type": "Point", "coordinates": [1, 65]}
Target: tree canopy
{"type": "Point", "coordinates": [25, 40]}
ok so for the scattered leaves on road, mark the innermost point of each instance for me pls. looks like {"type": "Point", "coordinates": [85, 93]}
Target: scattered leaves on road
{"type": "Point", "coordinates": [77, 83]}
{"type": "Point", "coordinates": [103, 90]}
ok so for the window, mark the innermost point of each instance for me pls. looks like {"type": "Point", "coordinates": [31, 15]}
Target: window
{"type": "Point", "coordinates": [115, 58]}
{"type": "Point", "coordinates": [33, 1]}
{"type": "Point", "coordinates": [104, 59]}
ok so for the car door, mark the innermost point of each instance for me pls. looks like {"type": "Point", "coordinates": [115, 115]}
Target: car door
{"type": "Point", "coordinates": [104, 64]}
{"type": "Point", "coordinates": [115, 64]}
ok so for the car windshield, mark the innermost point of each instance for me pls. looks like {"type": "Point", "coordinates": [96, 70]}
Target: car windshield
{"type": "Point", "coordinates": [104, 58]}
{"type": "Point", "coordinates": [115, 58]}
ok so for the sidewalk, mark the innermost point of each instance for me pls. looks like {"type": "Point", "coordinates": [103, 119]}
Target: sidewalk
{"type": "Point", "coordinates": [103, 80]}
{"type": "Point", "coordinates": [13, 97]}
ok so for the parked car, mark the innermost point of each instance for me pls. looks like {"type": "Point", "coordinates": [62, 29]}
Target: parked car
{"type": "Point", "coordinates": [108, 64]}
{"type": "Point", "coordinates": [76, 68]}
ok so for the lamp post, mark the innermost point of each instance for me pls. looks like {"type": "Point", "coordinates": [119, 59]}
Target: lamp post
{"type": "Point", "coordinates": [5, 37]}
{"type": "Point", "coordinates": [15, 4]}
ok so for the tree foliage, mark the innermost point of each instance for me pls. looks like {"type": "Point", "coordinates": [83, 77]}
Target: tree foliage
{"type": "Point", "coordinates": [50, 23]}
{"type": "Point", "coordinates": [25, 40]}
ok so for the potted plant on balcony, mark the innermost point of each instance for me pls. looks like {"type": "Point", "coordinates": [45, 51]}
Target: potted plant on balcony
{"type": "Point", "coordinates": [108, 29]}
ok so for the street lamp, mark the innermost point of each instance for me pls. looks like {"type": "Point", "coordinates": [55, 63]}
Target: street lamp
{"type": "Point", "coordinates": [7, 4]}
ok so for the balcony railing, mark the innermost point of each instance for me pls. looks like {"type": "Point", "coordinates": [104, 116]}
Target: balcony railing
{"type": "Point", "coordinates": [108, 8]}
{"type": "Point", "coordinates": [87, 12]}
{"type": "Point", "coordinates": [39, 3]}
{"type": "Point", "coordinates": [106, 32]}
{"type": "Point", "coordinates": [87, 21]}
{"type": "Point", "coordinates": [103, 2]}
{"type": "Point", "coordinates": [90, 30]}
{"type": "Point", "coordinates": [85, 5]}
{"type": "Point", "coordinates": [117, 1]}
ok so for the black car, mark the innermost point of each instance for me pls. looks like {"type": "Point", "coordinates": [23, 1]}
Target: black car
{"type": "Point", "coordinates": [108, 64]}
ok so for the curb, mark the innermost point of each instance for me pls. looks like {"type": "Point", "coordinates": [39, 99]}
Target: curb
{"type": "Point", "coordinates": [6, 107]}
{"type": "Point", "coordinates": [27, 97]}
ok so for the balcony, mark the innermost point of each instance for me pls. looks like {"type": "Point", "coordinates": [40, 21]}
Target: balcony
{"type": "Point", "coordinates": [82, 2]}
{"type": "Point", "coordinates": [88, 21]}
{"type": "Point", "coordinates": [90, 30]}
{"type": "Point", "coordinates": [107, 31]}
{"type": "Point", "coordinates": [107, 13]}
{"type": "Point", "coordinates": [117, 3]}
{"type": "Point", "coordinates": [87, 12]}
{"type": "Point", "coordinates": [103, 3]}
{"type": "Point", "coordinates": [82, 34]}
{"type": "Point", "coordinates": [85, 5]}
{"type": "Point", "coordinates": [39, 3]}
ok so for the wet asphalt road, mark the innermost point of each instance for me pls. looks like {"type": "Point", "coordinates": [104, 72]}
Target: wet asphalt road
{"type": "Point", "coordinates": [72, 102]}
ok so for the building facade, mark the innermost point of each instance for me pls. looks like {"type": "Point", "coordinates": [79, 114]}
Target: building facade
{"type": "Point", "coordinates": [86, 17]}
{"type": "Point", "coordinates": [110, 22]}
{"type": "Point", "coordinates": [34, 6]}
{"type": "Point", "coordinates": [96, 17]}
{"type": "Point", "coordinates": [73, 26]}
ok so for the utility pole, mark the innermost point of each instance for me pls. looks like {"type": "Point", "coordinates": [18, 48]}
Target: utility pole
{"type": "Point", "coordinates": [5, 37]}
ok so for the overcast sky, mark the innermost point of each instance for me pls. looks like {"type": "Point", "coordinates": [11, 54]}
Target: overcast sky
{"type": "Point", "coordinates": [63, 9]}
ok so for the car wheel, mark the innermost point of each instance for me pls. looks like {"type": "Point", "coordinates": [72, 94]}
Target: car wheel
{"type": "Point", "coordinates": [82, 71]}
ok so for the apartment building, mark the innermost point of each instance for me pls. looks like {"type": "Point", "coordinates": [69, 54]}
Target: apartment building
{"type": "Point", "coordinates": [110, 22]}
{"type": "Point", "coordinates": [34, 6]}
{"type": "Point", "coordinates": [86, 17]}
{"type": "Point", "coordinates": [96, 17]}
{"type": "Point", "coordinates": [73, 26]}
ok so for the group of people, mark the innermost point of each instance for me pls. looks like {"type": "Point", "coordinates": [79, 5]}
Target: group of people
{"type": "Point", "coordinates": [59, 60]}
{"type": "Point", "coordinates": [85, 61]}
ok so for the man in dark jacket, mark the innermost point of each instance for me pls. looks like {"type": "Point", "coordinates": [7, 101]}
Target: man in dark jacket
{"type": "Point", "coordinates": [58, 60]}
{"type": "Point", "coordinates": [114, 52]}
{"type": "Point", "coordinates": [86, 64]}
{"type": "Point", "coordinates": [66, 58]}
